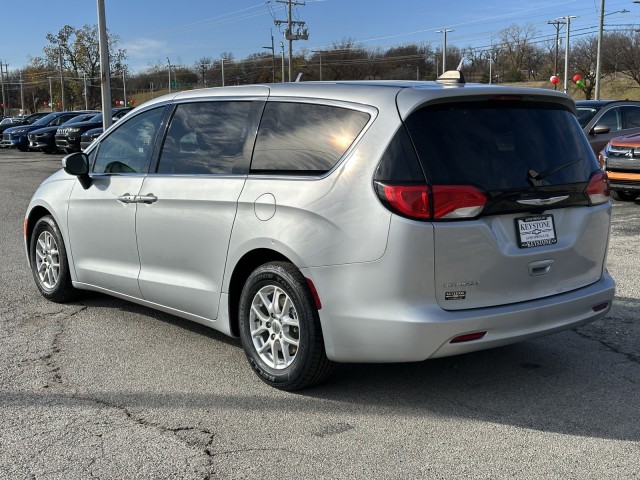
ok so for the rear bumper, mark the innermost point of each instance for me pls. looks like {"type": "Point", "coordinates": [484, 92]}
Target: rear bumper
{"type": "Point", "coordinates": [390, 331]}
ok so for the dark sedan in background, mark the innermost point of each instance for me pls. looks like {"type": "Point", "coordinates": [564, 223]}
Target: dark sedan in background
{"type": "Point", "coordinates": [44, 139]}
{"type": "Point", "coordinates": [68, 138]}
{"type": "Point", "coordinates": [17, 136]}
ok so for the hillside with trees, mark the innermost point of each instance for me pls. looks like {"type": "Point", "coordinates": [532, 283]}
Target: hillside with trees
{"type": "Point", "coordinates": [517, 54]}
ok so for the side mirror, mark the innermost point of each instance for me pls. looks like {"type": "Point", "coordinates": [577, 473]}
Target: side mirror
{"type": "Point", "coordinates": [600, 129]}
{"type": "Point", "coordinates": [77, 164]}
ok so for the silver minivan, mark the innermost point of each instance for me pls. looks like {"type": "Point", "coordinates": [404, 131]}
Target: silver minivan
{"type": "Point", "coordinates": [337, 222]}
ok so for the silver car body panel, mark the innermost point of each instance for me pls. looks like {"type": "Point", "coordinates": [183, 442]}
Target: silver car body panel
{"type": "Point", "coordinates": [382, 279]}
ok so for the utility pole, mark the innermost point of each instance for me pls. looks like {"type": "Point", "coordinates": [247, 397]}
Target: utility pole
{"type": "Point", "coordinates": [222, 69]}
{"type": "Point", "coordinates": [319, 52]}
{"type": "Point", "coordinates": [169, 63]}
{"type": "Point", "coordinates": [444, 48]}
{"type": "Point", "coordinates": [301, 32]}
{"type": "Point", "coordinates": [124, 86]}
{"type": "Point", "coordinates": [4, 101]}
{"type": "Point", "coordinates": [86, 98]}
{"type": "Point", "coordinates": [557, 24]}
{"type": "Point", "coordinates": [282, 48]}
{"type": "Point", "coordinates": [21, 95]}
{"type": "Point", "coordinates": [273, 59]}
{"type": "Point", "coordinates": [50, 94]}
{"type": "Point", "coordinates": [62, 78]}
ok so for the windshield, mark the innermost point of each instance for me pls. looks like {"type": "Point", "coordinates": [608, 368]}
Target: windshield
{"type": "Point", "coordinates": [80, 118]}
{"type": "Point", "coordinates": [6, 121]}
{"type": "Point", "coordinates": [497, 147]}
{"type": "Point", "coordinates": [584, 114]}
{"type": "Point", "coordinates": [44, 121]}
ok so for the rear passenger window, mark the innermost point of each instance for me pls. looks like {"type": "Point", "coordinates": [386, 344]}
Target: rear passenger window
{"type": "Point", "coordinates": [210, 138]}
{"type": "Point", "coordinates": [304, 139]}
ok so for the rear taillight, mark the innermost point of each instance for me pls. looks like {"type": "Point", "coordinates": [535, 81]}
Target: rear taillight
{"type": "Point", "coordinates": [409, 200]}
{"type": "Point", "coordinates": [598, 189]}
{"type": "Point", "coordinates": [457, 201]}
{"type": "Point", "coordinates": [438, 202]}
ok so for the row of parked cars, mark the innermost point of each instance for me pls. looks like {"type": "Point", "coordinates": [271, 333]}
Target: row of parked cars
{"type": "Point", "coordinates": [68, 131]}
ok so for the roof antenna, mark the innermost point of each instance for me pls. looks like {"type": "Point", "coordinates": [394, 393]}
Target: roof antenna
{"type": "Point", "coordinates": [459, 69]}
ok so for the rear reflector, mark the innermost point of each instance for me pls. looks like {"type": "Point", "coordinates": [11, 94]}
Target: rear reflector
{"type": "Point", "coordinates": [600, 307]}
{"type": "Point", "coordinates": [468, 337]}
{"type": "Point", "coordinates": [314, 292]}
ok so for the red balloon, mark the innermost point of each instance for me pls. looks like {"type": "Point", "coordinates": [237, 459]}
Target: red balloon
{"type": "Point", "coordinates": [577, 77]}
{"type": "Point", "coordinates": [59, 104]}
{"type": "Point", "coordinates": [555, 80]}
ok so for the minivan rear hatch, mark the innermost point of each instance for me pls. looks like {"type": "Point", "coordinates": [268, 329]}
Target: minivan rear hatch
{"type": "Point", "coordinates": [539, 232]}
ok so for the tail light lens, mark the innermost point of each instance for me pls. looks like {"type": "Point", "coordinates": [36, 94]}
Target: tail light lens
{"type": "Point", "coordinates": [438, 202]}
{"type": "Point", "coordinates": [598, 189]}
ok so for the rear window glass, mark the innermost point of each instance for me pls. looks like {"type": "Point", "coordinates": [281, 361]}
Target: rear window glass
{"type": "Point", "coordinates": [304, 139]}
{"type": "Point", "coordinates": [501, 145]}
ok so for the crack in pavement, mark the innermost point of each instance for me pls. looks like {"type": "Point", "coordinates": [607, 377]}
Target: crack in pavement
{"type": "Point", "coordinates": [630, 356]}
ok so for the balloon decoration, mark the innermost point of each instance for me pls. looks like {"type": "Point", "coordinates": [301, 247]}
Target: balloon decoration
{"type": "Point", "coordinates": [576, 78]}
{"type": "Point", "coordinates": [554, 80]}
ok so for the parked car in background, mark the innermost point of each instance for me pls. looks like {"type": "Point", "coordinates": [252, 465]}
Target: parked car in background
{"type": "Point", "coordinates": [44, 139]}
{"type": "Point", "coordinates": [68, 138]}
{"type": "Point", "coordinates": [337, 222]}
{"type": "Point", "coordinates": [89, 136]}
{"type": "Point", "coordinates": [621, 160]}
{"type": "Point", "coordinates": [17, 136]}
{"type": "Point", "coordinates": [16, 121]}
{"type": "Point", "coordinates": [602, 120]}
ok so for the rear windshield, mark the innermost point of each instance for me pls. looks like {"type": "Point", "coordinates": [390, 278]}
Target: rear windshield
{"type": "Point", "coordinates": [501, 145]}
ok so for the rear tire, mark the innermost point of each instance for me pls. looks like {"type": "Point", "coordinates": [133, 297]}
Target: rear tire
{"type": "Point", "coordinates": [280, 328]}
{"type": "Point", "coordinates": [49, 261]}
{"type": "Point", "coordinates": [624, 196]}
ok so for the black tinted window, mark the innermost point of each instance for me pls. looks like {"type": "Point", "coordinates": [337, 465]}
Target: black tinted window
{"type": "Point", "coordinates": [631, 117]}
{"type": "Point", "coordinates": [399, 162]}
{"type": "Point", "coordinates": [127, 149]}
{"type": "Point", "coordinates": [304, 139]}
{"type": "Point", "coordinates": [210, 138]}
{"type": "Point", "coordinates": [494, 145]}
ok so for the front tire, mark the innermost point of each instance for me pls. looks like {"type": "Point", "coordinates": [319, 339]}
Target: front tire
{"type": "Point", "coordinates": [280, 328]}
{"type": "Point", "coordinates": [49, 261]}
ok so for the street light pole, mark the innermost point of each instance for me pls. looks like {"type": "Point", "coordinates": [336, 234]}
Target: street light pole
{"type": "Point", "coordinates": [319, 52]}
{"type": "Point", "coordinates": [566, 53]}
{"type": "Point", "coordinates": [599, 54]}
{"type": "Point", "coordinates": [444, 48]}
{"type": "Point", "coordinates": [169, 63]}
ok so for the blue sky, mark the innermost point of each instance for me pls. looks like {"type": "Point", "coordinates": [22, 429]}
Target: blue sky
{"type": "Point", "coordinates": [186, 30]}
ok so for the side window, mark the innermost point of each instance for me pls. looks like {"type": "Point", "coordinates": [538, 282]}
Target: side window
{"type": "Point", "coordinates": [631, 117]}
{"type": "Point", "coordinates": [611, 119]}
{"type": "Point", "coordinates": [303, 138]}
{"type": "Point", "coordinates": [210, 138]}
{"type": "Point", "coordinates": [127, 149]}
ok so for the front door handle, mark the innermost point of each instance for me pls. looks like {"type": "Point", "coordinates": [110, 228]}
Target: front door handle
{"type": "Point", "coordinates": [127, 198]}
{"type": "Point", "coordinates": [149, 198]}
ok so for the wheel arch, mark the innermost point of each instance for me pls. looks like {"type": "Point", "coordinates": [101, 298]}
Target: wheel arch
{"type": "Point", "coordinates": [247, 264]}
{"type": "Point", "coordinates": [35, 214]}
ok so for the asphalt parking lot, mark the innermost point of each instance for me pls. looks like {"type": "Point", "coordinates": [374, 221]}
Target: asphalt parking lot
{"type": "Point", "coordinates": [101, 388]}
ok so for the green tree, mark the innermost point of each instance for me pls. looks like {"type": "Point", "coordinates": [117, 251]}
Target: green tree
{"type": "Point", "coordinates": [78, 50]}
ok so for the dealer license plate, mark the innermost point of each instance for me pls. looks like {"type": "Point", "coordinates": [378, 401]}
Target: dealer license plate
{"type": "Point", "coordinates": [536, 231]}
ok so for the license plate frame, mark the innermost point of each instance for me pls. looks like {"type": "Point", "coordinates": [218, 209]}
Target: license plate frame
{"type": "Point", "coordinates": [536, 231]}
